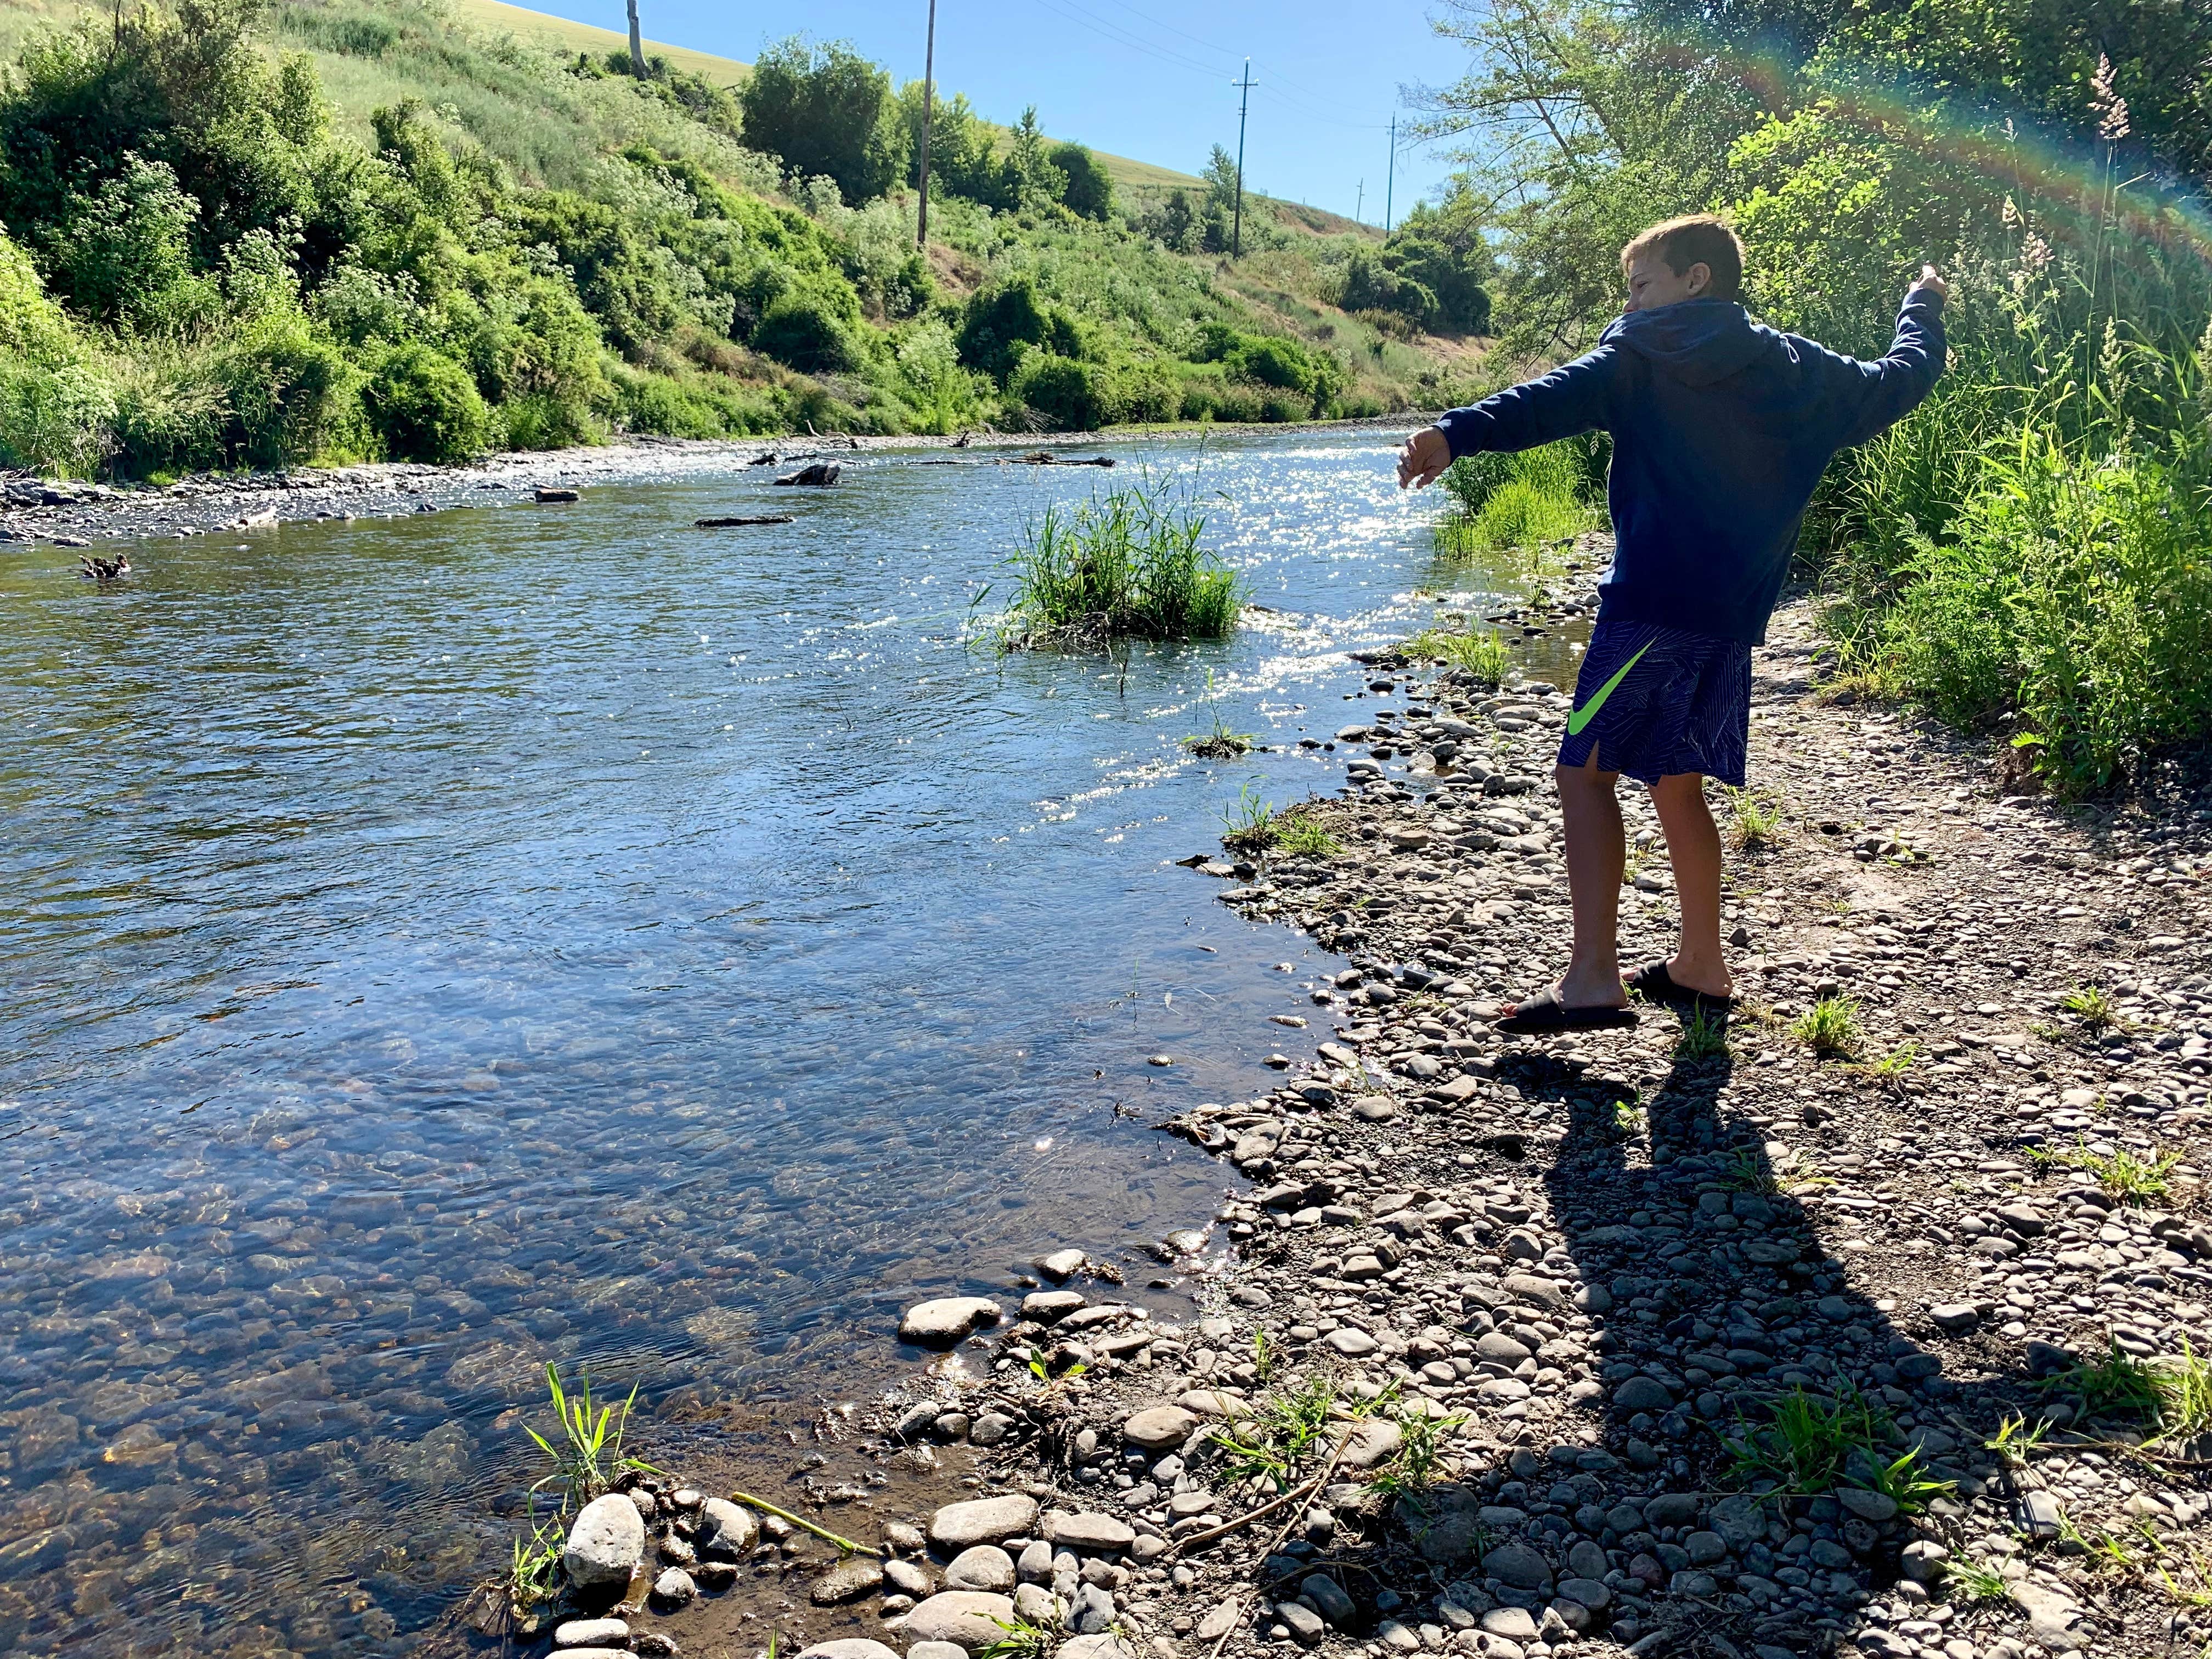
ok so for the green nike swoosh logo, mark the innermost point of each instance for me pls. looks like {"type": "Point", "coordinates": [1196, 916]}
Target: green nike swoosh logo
{"type": "Point", "coordinates": [1584, 715]}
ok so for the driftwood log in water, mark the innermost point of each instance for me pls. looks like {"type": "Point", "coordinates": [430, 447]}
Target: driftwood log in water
{"type": "Point", "coordinates": [820, 475]}
{"type": "Point", "coordinates": [1035, 457]}
{"type": "Point", "coordinates": [548, 495]}
{"type": "Point", "coordinates": [733, 523]}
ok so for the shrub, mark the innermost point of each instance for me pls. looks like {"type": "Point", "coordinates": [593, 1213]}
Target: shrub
{"type": "Point", "coordinates": [287, 394]}
{"type": "Point", "coordinates": [424, 407]}
{"type": "Point", "coordinates": [1090, 188]}
{"type": "Point", "coordinates": [999, 320]}
{"type": "Point", "coordinates": [803, 332]}
{"type": "Point", "coordinates": [1072, 396]}
{"type": "Point", "coordinates": [123, 252]}
{"type": "Point", "coordinates": [54, 420]}
{"type": "Point", "coordinates": [826, 110]}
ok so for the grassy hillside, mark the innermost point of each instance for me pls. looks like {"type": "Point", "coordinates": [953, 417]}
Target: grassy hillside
{"type": "Point", "coordinates": [235, 235]}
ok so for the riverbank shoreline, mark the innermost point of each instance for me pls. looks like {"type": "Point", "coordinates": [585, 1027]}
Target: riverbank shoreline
{"type": "Point", "coordinates": [74, 515]}
{"type": "Point", "coordinates": [1492, 1332]}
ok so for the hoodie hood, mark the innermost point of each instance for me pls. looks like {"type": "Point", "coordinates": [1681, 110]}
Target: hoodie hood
{"type": "Point", "coordinates": [1699, 342]}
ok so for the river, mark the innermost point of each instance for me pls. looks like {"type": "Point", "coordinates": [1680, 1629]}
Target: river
{"type": "Point", "coordinates": [436, 946]}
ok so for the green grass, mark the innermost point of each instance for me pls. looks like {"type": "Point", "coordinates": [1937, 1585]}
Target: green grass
{"type": "Point", "coordinates": [534, 1565]}
{"type": "Point", "coordinates": [1705, 1036]}
{"type": "Point", "coordinates": [1286, 1428]}
{"type": "Point", "coordinates": [1969, 1581]}
{"type": "Point", "coordinates": [1021, 1640]}
{"type": "Point", "coordinates": [2170, 1397]}
{"type": "Point", "coordinates": [1481, 656]}
{"type": "Point", "coordinates": [1414, 1467]}
{"type": "Point", "coordinates": [2121, 1175]}
{"type": "Point", "coordinates": [2016, 1440]}
{"type": "Point", "coordinates": [588, 1453]}
{"type": "Point", "coordinates": [2092, 1006]}
{"type": "Point", "coordinates": [1752, 818]}
{"type": "Point", "coordinates": [1518, 501]}
{"type": "Point", "coordinates": [1812, 1444]}
{"type": "Point", "coordinates": [1829, 1027]}
{"type": "Point", "coordinates": [1128, 563]}
{"type": "Point", "coordinates": [1220, 743]}
{"type": "Point", "coordinates": [1252, 826]}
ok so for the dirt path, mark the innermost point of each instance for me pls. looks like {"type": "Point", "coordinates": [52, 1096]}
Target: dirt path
{"type": "Point", "coordinates": [1515, 1322]}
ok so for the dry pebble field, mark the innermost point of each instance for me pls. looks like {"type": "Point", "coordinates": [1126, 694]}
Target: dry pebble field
{"type": "Point", "coordinates": [1874, 1321]}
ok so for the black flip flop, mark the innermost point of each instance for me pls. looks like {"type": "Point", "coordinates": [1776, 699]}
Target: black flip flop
{"type": "Point", "coordinates": [1654, 984]}
{"type": "Point", "coordinates": [1544, 1014]}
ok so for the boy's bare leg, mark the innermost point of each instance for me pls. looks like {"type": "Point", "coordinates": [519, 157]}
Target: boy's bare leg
{"type": "Point", "coordinates": [1693, 846]}
{"type": "Point", "coordinates": [1590, 813]}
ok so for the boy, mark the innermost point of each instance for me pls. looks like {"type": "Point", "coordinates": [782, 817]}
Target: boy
{"type": "Point", "coordinates": [1721, 429]}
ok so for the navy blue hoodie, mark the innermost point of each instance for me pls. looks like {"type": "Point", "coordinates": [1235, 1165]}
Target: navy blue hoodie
{"type": "Point", "coordinates": [1721, 429]}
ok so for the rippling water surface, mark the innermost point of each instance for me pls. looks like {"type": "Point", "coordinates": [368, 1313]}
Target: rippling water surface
{"type": "Point", "coordinates": [437, 945]}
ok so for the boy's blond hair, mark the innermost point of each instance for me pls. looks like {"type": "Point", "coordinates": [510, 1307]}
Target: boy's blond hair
{"type": "Point", "coordinates": [1695, 239]}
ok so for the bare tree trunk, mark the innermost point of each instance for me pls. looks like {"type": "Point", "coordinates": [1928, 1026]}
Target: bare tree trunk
{"type": "Point", "coordinates": [636, 45]}
{"type": "Point", "coordinates": [928, 87]}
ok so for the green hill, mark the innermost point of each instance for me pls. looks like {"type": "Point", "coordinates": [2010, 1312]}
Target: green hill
{"type": "Point", "coordinates": [332, 228]}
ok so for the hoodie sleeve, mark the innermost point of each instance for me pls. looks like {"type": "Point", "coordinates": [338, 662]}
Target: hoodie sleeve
{"type": "Point", "coordinates": [1868, 398]}
{"type": "Point", "coordinates": [1569, 399]}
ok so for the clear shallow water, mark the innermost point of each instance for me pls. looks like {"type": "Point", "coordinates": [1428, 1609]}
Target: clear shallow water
{"type": "Point", "coordinates": [438, 945]}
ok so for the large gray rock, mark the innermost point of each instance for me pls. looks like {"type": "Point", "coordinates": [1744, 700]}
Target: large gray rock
{"type": "Point", "coordinates": [945, 1320]}
{"type": "Point", "coordinates": [605, 1544]}
{"type": "Point", "coordinates": [1093, 1647]}
{"type": "Point", "coordinates": [1304, 1623]}
{"type": "Point", "coordinates": [1160, 1428]}
{"type": "Point", "coordinates": [937, 1650]}
{"type": "Point", "coordinates": [1095, 1534]}
{"type": "Point", "coordinates": [973, 1618]}
{"type": "Point", "coordinates": [983, 1521]}
{"type": "Point", "coordinates": [674, 1588]}
{"type": "Point", "coordinates": [727, 1531]}
{"type": "Point", "coordinates": [850, 1647]}
{"type": "Point", "coordinates": [1326, 1593]}
{"type": "Point", "coordinates": [1368, 1442]}
{"type": "Point", "coordinates": [982, 1567]}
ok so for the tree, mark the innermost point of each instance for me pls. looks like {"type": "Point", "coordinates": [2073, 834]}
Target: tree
{"type": "Point", "coordinates": [826, 110]}
{"type": "Point", "coordinates": [962, 160]}
{"type": "Point", "coordinates": [1031, 181]}
{"type": "Point", "coordinates": [1090, 190]}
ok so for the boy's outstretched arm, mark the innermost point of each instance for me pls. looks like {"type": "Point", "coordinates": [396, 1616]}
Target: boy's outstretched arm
{"type": "Point", "coordinates": [1878, 395]}
{"type": "Point", "coordinates": [1569, 399]}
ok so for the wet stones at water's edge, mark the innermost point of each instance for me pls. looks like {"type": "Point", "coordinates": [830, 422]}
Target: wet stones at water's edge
{"type": "Point", "coordinates": [1546, 1296]}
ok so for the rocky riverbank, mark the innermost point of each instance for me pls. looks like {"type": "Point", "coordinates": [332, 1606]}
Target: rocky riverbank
{"type": "Point", "coordinates": [1870, 1320]}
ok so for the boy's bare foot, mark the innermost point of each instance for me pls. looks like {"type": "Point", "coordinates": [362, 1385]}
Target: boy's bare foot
{"type": "Point", "coordinates": [1706, 978]}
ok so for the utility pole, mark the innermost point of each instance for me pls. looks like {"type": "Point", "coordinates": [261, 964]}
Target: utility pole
{"type": "Point", "coordinates": [1360, 202]}
{"type": "Point", "coordinates": [1390, 186]}
{"type": "Point", "coordinates": [928, 79]}
{"type": "Point", "coordinates": [1244, 103]}
{"type": "Point", "coordinates": [636, 45]}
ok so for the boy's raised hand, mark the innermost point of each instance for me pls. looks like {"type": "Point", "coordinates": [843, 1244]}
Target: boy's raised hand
{"type": "Point", "coordinates": [1424, 458]}
{"type": "Point", "coordinates": [1931, 279]}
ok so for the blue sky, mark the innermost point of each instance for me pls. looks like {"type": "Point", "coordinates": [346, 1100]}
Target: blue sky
{"type": "Point", "coordinates": [1144, 78]}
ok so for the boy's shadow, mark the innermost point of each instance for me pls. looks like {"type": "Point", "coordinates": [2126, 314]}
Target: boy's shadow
{"type": "Point", "coordinates": [1711, 1299]}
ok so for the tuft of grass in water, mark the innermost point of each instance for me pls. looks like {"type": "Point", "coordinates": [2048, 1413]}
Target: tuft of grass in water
{"type": "Point", "coordinates": [1829, 1026]}
{"type": "Point", "coordinates": [2092, 1006]}
{"type": "Point", "coordinates": [1481, 656]}
{"type": "Point", "coordinates": [1705, 1036]}
{"type": "Point", "coordinates": [1753, 819]}
{"type": "Point", "coordinates": [535, 1561]}
{"type": "Point", "coordinates": [1252, 826]}
{"type": "Point", "coordinates": [588, 1454]}
{"type": "Point", "coordinates": [2121, 1175]}
{"type": "Point", "coordinates": [1970, 1581]}
{"type": "Point", "coordinates": [1126, 565]}
{"type": "Point", "coordinates": [1248, 823]}
{"type": "Point", "coordinates": [1220, 743]}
